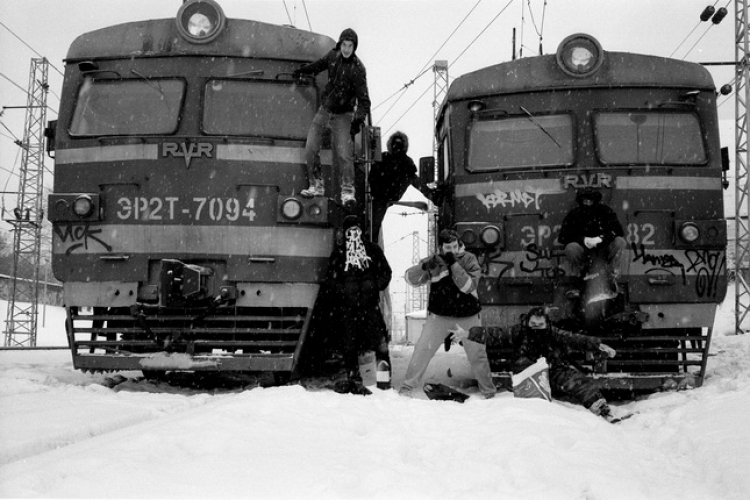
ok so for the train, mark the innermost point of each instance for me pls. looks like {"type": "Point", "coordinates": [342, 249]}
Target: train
{"type": "Point", "coordinates": [179, 233]}
{"type": "Point", "coordinates": [518, 140]}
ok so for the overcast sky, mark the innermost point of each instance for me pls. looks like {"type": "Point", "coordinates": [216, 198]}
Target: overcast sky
{"type": "Point", "coordinates": [398, 40]}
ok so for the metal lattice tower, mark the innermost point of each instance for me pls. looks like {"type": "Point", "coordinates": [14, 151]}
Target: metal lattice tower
{"type": "Point", "coordinates": [440, 89]}
{"type": "Point", "coordinates": [742, 159]}
{"type": "Point", "coordinates": [21, 322]}
{"type": "Point", "coordinates": [418, 295]}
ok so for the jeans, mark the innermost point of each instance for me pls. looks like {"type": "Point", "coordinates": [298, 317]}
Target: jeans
{"type": "Point", "coordinates": [576, 253]}
{"type": "Point", "coordinates": [340, 125]}
{"type": "Point", "coordinates": [433, 333]}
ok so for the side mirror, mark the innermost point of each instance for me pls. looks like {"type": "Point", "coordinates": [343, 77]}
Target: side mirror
{"type": "Point", "coordinates": [50, 133]}
{"type": "Point", "coordinates": [427, 171]}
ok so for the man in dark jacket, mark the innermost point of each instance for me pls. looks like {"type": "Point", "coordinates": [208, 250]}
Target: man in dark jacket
{"type": "Point", "coordinates": [390, 177]}
{"type": "Point", "coordinates": [535, 337]}
{"type": "Point", "coordinates": [357, 272]}
{"type": "Point", "coordinates": [453, 275]}
{"type": "Point", "coordinates": [347, 86]}
{"type": "Point", "coordinates": [592, 228]}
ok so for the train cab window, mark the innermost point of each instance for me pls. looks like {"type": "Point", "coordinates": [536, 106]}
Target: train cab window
{"type": "Point", "coordinates": [521, 141]}
{"type": "Point", "coordinates": [127, 107]}
{"type": "Point", "coordinates": [258, 108]}
{"type": "Point", "coordinates": [649, 138]}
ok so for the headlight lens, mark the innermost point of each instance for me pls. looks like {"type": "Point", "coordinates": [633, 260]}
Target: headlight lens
{"type": "Point", "coordinates": [200, 21]}
{"type": "Point", "coordinates": [83, 206]}
{"type": "Point", "coordinates": [689, 232]}
{"type": "Point", "coordinates": [490, 235]}
{"type": "Point", "coordinates": [292, 209]}
{"type": "Point", "coordinates": [579, 55]}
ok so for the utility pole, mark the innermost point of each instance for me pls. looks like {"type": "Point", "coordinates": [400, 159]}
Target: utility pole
{"type": "Point", "coordinates": [440, 89]}
{"type": "Point", "coordinates": [742, 181]}
{"type": "Point", "coordinates": [21, 322]}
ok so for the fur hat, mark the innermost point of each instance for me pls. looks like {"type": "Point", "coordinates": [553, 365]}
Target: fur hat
{"type": "Point", "coordinates": [351, 221]}
{"type": "Point", "coordinates": [348, 34]}
{"type": "Point", "coordinates": [396, 137]}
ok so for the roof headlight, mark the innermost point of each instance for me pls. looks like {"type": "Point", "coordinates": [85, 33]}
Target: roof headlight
{"type": "Point", "coordinates": [200, 21]}
{"type": "Point", "coordinates": [579, 55]}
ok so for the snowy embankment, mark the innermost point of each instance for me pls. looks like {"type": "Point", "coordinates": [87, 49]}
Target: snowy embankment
{"type": "Point", "coordinates": [63, 434]}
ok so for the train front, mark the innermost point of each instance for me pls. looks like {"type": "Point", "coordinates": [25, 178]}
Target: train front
{"type": "Point", "coordinates": [179, 233]}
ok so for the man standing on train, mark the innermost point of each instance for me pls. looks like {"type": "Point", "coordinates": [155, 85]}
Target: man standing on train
{"type": "Point", "coordinates": [346, 87]}
{"type": "Point", "coordinates": [592, 230]}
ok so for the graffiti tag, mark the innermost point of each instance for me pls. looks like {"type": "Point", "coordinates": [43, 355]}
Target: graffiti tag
{"type": "Point", "coordinates": [80, 235]}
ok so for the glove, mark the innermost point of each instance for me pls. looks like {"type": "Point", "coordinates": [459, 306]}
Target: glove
{"type": "Point", "coordinates": [296, 74]}
{"type": "Point", "coordinates": [356, 125]}
{"type": "Point", "coordinates": [449, 258]}
{"type": "Point", "coordinates": [611, 353]}
{"type": "Point", "coordinates": [592, 242]}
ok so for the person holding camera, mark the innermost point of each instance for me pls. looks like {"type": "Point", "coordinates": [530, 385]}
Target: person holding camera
{"type": "Point", "coordinates": [453, 275]}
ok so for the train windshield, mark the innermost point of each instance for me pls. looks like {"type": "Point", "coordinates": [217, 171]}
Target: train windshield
{"type": "Point", "coordinates": [649, 138]}
{"type": "Point", "coordinates": [521, 141]}
{"type": "Point", "coordinates": [128, 107]}
{"type": "Point", "coordinates": [258, 108]}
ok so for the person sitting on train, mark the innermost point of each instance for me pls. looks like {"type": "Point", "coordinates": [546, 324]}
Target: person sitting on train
{"type": "Point", "coordinates": [357, 272]}
{"type": "Point", "coordinates": [390, 177]}
{"type": "Point", "coordinates": [592, 230]}
{"type": "Point", "coordinates": [347, 86]}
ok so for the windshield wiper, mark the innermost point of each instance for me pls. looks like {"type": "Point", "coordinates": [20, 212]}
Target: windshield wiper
{"type": "Point", "coordinates": [541, 127]}
{"type": "Point", "coordinates": [154, 86]}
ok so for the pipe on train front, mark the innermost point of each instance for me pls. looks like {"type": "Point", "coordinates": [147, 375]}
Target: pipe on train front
{"type": "Point", "coordinates": [178, 230]}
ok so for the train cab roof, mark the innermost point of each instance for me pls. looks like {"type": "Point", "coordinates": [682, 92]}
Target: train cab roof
{"type": "Point", "coordinates": [162, 37]}
{"type": "Point", "coordinates": [580, 62]}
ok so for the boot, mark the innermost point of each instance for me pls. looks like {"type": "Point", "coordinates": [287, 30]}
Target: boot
{"type": "Point", "coordinates": [316, 189]}
{"type": "Point", "coordinates": [347, 195]}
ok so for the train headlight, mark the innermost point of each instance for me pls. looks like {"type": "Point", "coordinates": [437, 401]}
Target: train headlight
{"type": "Point", "coordinates": [200, 21]}
{"type": "Point", "coordinates": [579, 55]}
{"type": "Point", "coordinates": [292, 209]}
{"type": "Point", "coordinates": [490, 236]}
{"type": "Point", "coordinates": [689, 232]}
{"type": "Point", "coordinates": [83, 206]}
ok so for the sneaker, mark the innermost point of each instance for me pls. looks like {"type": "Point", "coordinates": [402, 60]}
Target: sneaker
{"type": "Point", "coordinates": [406, 391]}
{"type": "Point", "coordinates": [316, 189]}
{"type": "Point", "coordinates": [347, 195]}
{"type": "Point", "coordinates": [600, 407]}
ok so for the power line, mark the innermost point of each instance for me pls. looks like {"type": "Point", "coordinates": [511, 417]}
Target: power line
{"type": "Point", "coordinates": [304, 5]}
{"type": "Point", "coordinates": [25, 91]}
{"type": "Point", "coordinates": [426, 66]}
{"type": "Point", "coordinates": [287, 13]}
{"type": "Point", "coordinates": [31, 48]}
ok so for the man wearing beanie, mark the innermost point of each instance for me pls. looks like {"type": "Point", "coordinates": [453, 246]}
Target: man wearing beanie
{"type": "Point", "coordinates": [346, 87]}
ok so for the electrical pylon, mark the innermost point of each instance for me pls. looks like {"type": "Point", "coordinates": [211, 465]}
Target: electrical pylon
{"type": "Point", "coordinates": [21, 322]}
{"type": "Point", "coordinates": [440, 89]}
{"type": "Point", "coordinates": [742, 181]}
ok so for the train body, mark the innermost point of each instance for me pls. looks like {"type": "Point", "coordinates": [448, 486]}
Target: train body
{"type": "Point", "coordinates": [518, 140]}
{"type": "Point", "coordinates": [178, 229]}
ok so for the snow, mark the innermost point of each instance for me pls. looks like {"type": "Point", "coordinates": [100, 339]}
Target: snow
{"type": "Point", "coordinates": [65, 434]}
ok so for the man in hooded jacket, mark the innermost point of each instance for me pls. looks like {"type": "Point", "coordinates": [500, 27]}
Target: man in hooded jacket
{"type": "Point", "coordinates": [357, 272]}
{"type": "Point", "coordinates": [589, 229]}
{"type": "Point", "coordinates": [390, 177]}
{"type": "Point", "coordinates": [346, 87]}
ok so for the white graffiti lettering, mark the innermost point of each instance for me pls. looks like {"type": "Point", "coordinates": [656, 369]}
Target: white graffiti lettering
{"type": "Point", "coordinates": [510, 198]}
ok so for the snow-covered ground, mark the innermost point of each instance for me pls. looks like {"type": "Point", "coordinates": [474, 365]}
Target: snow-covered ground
{"type": "Point", "coordinates": [63, 434]}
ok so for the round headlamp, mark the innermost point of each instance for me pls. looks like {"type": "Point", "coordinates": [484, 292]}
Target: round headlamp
{"type": "Point", "coordinates": [490, 236]}
{"type": "Point", "coordinates": [689, 232]}
{"type": "Point", "coordinates": [292, 209]}
{"type": "Point", "coordinates": [579, 55]}
{"type": "Point", "coordinates": [200, 21]}
{"type": "Point", "coordinates": [83, 206]}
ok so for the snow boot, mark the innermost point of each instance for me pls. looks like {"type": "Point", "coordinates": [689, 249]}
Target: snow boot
{"type": "Point", "coordinates": [316, 189]}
